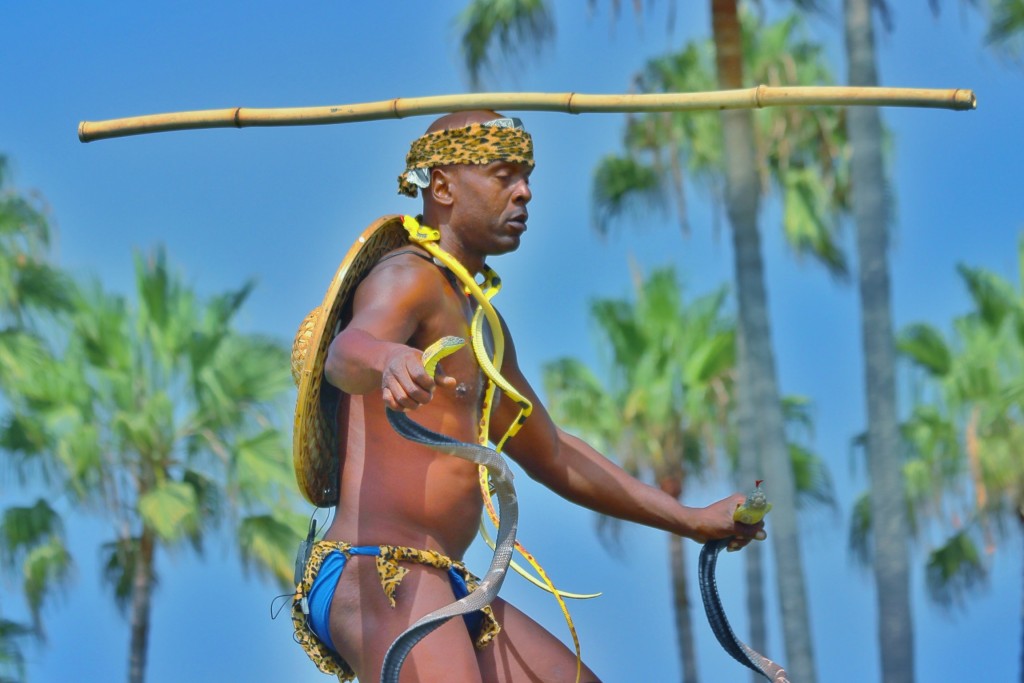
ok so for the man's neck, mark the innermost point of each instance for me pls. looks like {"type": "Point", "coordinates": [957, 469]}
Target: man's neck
{"type": "Point", "coordinates": [451, 243]}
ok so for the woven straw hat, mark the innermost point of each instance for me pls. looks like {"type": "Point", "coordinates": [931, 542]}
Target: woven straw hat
{"type": "Point", "coordinates": [315, 435]}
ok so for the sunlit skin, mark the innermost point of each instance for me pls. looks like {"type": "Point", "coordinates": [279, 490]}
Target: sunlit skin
{"type": "Point", "coordinates": [396, 492]}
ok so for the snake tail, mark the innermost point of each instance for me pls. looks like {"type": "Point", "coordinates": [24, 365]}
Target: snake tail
{"type": "Point", "coordinates": [739, 650]}
{"type": "Point", "coordinates": [752, 511]}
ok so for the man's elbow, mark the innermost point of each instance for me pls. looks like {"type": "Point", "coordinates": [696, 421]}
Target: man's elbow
{"type": "Point", "coordinates": [545, 464]}
{"type": "Point", "coordinates": [333, 373]}
{"type": "Point", "coordinates": [337, 372]}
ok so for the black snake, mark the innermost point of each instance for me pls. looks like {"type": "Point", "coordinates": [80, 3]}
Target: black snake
{"type": "Point", "coordinates": [750, 512]}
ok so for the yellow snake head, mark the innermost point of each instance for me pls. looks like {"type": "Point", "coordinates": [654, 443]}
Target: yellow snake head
{"type": "Point", "coordinates": [442, 348]}
{"type": "Point", "coordinates": [419, 233]}
{"type": "Point", "coordinates": [754, 508]}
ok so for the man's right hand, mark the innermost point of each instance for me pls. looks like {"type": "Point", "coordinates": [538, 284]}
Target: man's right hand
{"type": "Point", "coordinates": [405, 384]}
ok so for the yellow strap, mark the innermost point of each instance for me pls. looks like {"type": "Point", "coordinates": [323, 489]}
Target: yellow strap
{"type": "Point", "coordinates": [427, 238]}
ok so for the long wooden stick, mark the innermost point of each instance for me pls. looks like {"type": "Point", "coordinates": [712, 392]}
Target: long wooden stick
{"type": "Point", "coordinates": [571, 103]}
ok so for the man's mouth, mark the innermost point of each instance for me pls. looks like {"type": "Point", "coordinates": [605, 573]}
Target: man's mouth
{"type": "Point", "coordinates": [518, 222]}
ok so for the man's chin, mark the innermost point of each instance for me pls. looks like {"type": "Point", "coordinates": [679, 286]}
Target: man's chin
{"type": "Point", "coordinates": [509, 244]}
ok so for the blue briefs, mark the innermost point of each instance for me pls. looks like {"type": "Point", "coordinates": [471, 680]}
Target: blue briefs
{"type": "Point", "coordinates": [321, 594]}
{"type": "Point", "coordinates": [311, 605]}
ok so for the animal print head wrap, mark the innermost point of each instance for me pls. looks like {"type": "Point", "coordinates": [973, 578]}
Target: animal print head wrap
{"type": "Point", "coordinates": [479, 143]}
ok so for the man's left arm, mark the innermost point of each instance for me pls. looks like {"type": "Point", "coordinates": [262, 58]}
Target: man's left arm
{"type": "Point", "coordinates": [573, 469]}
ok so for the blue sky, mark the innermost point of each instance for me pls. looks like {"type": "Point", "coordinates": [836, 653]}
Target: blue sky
{"type": "Point", "coordinates": [282, 205]}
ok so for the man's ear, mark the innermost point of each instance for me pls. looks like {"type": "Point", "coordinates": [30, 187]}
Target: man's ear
{"type": "Point", "coordinates": [441, 186]}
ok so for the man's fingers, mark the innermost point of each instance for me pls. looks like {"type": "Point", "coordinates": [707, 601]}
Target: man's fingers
{"type": "Point", "coordinates": [413, 397]}
{"type": "Point", "coordinates": [418, 393]}
{"type": "Point", "coordinates": [738, 542]}
{"type": "Point", "coordinates": [401, 402]}
{"type": "Point", "coordinates": [442, 378]}
{"type": "Point", "coordinates": [406, 392]}
{"type": "Point", "coordinates": [751, 530]}
{"type": "Point", "coordinates": [389, 400]}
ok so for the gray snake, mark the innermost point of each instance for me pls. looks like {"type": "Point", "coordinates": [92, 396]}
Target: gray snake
{"type": "Point", "coordinates": [508, 506]}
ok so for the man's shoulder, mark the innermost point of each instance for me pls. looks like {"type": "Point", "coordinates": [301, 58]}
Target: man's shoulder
{"type": "Point", "coordinates": [404, 262]}
{"type": "Point", "coordinates": [406, 270]}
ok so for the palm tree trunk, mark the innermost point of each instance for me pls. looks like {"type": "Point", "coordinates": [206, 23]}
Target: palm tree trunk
{"type": "Point", "coordinates": [754, 570]}
{"type": "Point", "coordinates": [684, 617]}
{"type": "Point", "coordinates": [753, 555]}
{"type": "Point", "coordinates": [1020, 517]}
{"type": "Point", "coordinates": [891, 554]}
{"type": "Point", "coordinates": [142, 591]}
{"type": "Point", "coordinates": [757, 377]}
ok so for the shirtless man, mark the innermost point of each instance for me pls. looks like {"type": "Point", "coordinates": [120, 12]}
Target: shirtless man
{"type": "Point", "coordinates": [398, 493]}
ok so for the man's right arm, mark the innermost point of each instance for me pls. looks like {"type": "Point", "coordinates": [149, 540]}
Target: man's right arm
{"type": "Point", "coordinates": [356, 360]}
{"type": "Point", "coordinates": [372, 352]}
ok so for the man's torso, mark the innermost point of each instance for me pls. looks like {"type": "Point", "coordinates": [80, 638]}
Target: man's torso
{"type": "Point", "coordinates": [397, 492]}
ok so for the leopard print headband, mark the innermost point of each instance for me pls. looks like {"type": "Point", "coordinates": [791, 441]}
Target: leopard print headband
{"type": "Point", "coordinates": [479, 143]}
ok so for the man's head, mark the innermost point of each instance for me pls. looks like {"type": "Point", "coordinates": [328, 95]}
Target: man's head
{"type": "Point", "coordinates": [468, 137]}
{"type": "Point", "coordinates": [474, 171]}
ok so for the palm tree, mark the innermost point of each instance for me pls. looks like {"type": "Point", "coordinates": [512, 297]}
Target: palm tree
{"type": "Point", "coordinates": [32, 539]}
{"type": "Point", "coordinates": [623, 182]}
{"type": "Point", "coordinates": [160, 416]}
{"type": "Point", "coordinates": [871, 213]}
{"type": "Point", "coordinates": [668, 406]}
{"type": "Point", "coordinates": [30, 287]}
{"type": "Point", "coordinates": [664, 407]}
{"type": "Point", "coordinates": [798, 148]}
{"type": "Point", "coordinates": [511, 24]}
{"type": "Point", "coordinates": [28, 282]}
{"type": "Point", "coordinates": [973, 429]}
{"type": "Point", "coordinates": [1006, 27]}
{"type": "Point", "coordinates": [762, 430]}
{"type": "Point", "coordinates": [12, 659]}
{"type": "Point", "coordinates": [942, 441]}
{"type": "Point", "coordinates": [33, 548]}
{"type": "Point", "coordinates": [31, 290]}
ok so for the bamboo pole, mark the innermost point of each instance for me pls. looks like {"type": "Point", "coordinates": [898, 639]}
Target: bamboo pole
{"type": "Point", "coordinates": [571, 103]}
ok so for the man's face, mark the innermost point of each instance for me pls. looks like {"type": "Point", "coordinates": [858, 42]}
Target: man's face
{"type": "Point", "coordinates": [489, 202]}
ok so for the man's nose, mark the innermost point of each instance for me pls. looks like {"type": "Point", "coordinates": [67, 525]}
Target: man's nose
{"type": "Point", "coordinates": [523, 191]}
